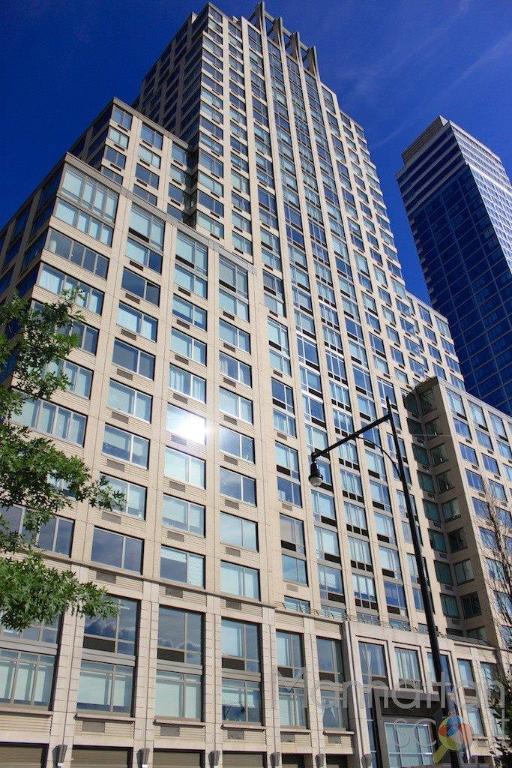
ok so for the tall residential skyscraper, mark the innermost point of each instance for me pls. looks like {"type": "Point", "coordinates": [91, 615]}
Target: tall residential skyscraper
{"type": "Point", "coordinates": [458, 199]}
{"type": "Point", "coordinates": [243, 304]}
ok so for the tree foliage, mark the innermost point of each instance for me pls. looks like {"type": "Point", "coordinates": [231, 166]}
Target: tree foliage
{"type": "Point", "coordinates": [34, 472]}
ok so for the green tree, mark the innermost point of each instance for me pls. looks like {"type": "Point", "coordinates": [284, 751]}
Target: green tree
{"type": "Point", "coordinates": [34, 473]}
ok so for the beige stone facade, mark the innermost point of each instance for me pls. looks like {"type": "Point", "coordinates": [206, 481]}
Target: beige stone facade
{"type": "Point", "coordinates": [235, 319]}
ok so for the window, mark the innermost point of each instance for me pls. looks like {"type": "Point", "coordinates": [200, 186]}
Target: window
{"type": "Point", "coordinates": [236, 444]}
{"type": "Point", "coordinates": [233, 278]}
{"type": "Point", "coordinates": [150, 228]}
{"type": "Point", "coordinates": [149, 178]}
{"type": "Point", "coordinates": [90, 194]}
{"type": "Point", "coordinates": [488, 538]}
{"type": "Point", "coordinates": [466, 673]}
{"type": "Point", "coordinates": [151, 135]}
{"type": "Point", "coordinates": [128, 400]}
{"type": "Point", "coordinates": [443, 572]}
{"type": "Point", "coordinates": [287, 462]}
{"type": "Point", "coordinates": [351, 483]}
{"type": "Point", "coordinates": [409, 744]}
{"type": "Point", "coordinates": [330, 663]}
{"type": "Point", "coordinates": [126, 446]}
{"type": "Point", "coordinates": [240, 646]}
{"type": "Point", "coordinates": [385, 527]}
{"type": "Point", "coordinates": [395, 597]}
{"type": "Point", "coordinates": [463, 571]}
{"type": "Point", "coordinates": [408, 666]}
{"type": "Point", "coordinates": [235, 405]}
{"type": "Point", "coordinates": [189, 312]}
{"type": "Point", "coordinates": [139, 286]}
{"type": "Point", "coordinates": [178, 695]}
{"type": "Point", "coordinates": [134, 501]}
{"type": "Point", "coordinates": [331, 584]}
{"type": "Point", "coordinates": [180, 642]}
{"type": "Point", "coordinates": [122, 118]}
{"type": "Point", "coordinates": [239, 580]}
{"type": "Point", "coordinates": [185, 468]}
{"type": "Point", "coordinates": [57, 282]}
{"type": "Point", "coordinates": [54, 536]}
{"type": "Point", "coordinates": [77, 253]}
{"type": "Point", "coordinates": [437, 540]}
{"type": "Point", "coordinates": [457, 540]}
{"type": "Point", "coordinates": [86, 335]}
{"type": "Point", "coordinates": [390, 562]}
{"type": "Point", "coordinates": [234, 336]}
{"type": "Point", "coordinates": [470, 605]}
{"type": "Point", "coordinates": [133, 359]}
{"type": "Point", "coordinates": [333, 709]}
{"type": "Point", "coordinates": [178, 565]}
{"type": "Point", "coordinates": [143, 255]}
{"type": "Point", "coordinates": [234, 369]}
{"type": "Point", "coordinates": [279, 346]}
{"type": "Point", "coordinates": [190, 281]}
{"type": "Point", "coordinates": [238, 532]}
{"type": "Point", "coordinates": [183, 515]}
{"type": "Point", "coordinates": [53, 420]}
{"type": "Point", "coordinates": [241, 701]}
{"type": "Point", "coordinates": [327, 547]}
{"type": "Point", "coordinates": [290, 660]}
{"type": "Point", "coordinates": [136, 321]}
{"type": "Point", "coordinates": [360, 553]}
{"type": "Point", "coordinates": [26, 678]}
{"type": "Point", "coordinates": [114, 634]}
{"type": "Point", "coordinates": [238, 486]}
{"type": "Point", "coordinates": [105, 687]}
{"type": "Point", "coordinates": [292, 534]}
{"type": "Point", "coordinates": [186, 425]}
{"type": "Point", "coordinates": [294, 569]}
{"type": "Point", "coordinates": [187, 383]}
{"type": "Point", "coordinates": [85, 223]}
{"type": "Point", "coordinates": [373, 664]}
{"type": "Point", "coordinates": [116, 550]}
{"type": "Point", "coordinates": [323, 505]}
{"type": "Point", "coordinates": [79, 378]}
{"type": "Point", "coordinates": [475, 719]}
{"type": "Point", "coordinates": [188, 347]}
{"type": "Point", "coordinates": [292, 707]}
{"type": "Point", "coordinates": [180, 636]}
{"type": "Point", "coordinates": [119, 138]}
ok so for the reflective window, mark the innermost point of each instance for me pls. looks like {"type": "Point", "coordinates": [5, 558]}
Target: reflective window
{"type": "Point", "coordinates": [178, 565]}
{"type": "Point", "coordinates": [239, 580]}
{"type": "Point", "coordinates": [105, 687]}
{"type": "Point", "coordinates": [137, 322]}
{"type": "Point", "coordinates": [134, 497]}
{"type": "Point", "coordinates": [117, 550]}
{"type": "Point", "coordinates": [183, 515]}
{"type": "Point", "coordinates": [126, 446]}
{"type": "Point", "coordinates": [238, 532]}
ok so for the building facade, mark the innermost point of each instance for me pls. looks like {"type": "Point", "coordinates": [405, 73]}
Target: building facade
{"type": "Point", "coordinates": [243, 304]}
{"type": "Point", "coordinates": [458, 199]}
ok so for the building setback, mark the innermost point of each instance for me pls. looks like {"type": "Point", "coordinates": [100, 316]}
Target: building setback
{"type": "Point", "coordinates": [243, 304]}
{"type": "Point", "coordinates": [458, 199]}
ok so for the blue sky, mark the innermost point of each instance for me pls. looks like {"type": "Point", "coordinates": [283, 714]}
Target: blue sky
{"type": "Point", "coordinates": [395, 65]}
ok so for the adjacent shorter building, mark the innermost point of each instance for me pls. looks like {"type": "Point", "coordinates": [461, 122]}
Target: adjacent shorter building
{"type": "Point", "coordinates": [458, 198]}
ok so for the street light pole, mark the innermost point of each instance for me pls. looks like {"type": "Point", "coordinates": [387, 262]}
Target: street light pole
{"type": "Point", "coordinates": [316, 479]}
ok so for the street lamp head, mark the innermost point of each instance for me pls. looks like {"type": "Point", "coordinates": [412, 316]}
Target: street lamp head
{"type": "Point", "coordinates": [315, 476]}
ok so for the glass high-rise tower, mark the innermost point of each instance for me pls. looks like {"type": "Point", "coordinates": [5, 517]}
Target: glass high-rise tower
{"type": "Point", "coordinates": [243, 303]}
{"type": "Point", "coordinates": [458, 199]}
